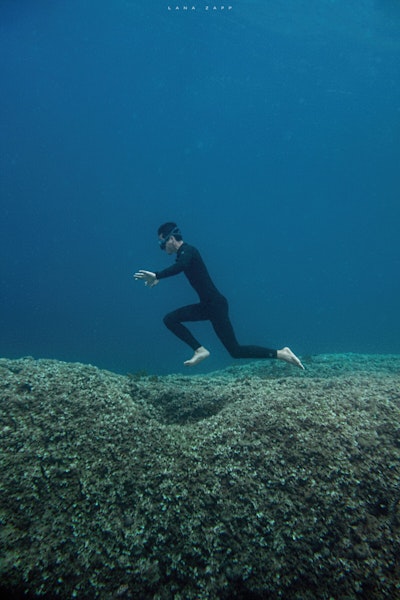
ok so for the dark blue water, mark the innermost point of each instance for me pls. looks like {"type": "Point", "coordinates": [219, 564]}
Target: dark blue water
{"type": "Point", "coordinates": [270, 132]}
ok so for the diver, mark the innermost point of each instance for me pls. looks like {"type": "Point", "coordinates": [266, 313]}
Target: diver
{"type": "Point", "coordinates": [212, 307]}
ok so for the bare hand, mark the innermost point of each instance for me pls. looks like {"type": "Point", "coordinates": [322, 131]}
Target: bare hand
{"type": "Point", "coordinates": [149, 278]}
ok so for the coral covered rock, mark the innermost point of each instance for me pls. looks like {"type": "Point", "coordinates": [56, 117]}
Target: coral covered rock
{"type": "Point", "coordinates": [254, 482]}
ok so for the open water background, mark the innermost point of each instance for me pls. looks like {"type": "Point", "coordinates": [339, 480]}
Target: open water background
{"type": "Point", "coordinates": [269, 131]}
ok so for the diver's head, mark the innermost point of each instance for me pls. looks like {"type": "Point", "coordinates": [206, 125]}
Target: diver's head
{"type": "Point", "coordinates": [169, 237]}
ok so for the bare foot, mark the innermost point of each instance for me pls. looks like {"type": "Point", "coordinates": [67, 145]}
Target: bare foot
{"type": "Point", "coordinates": [199, 355]}
{"type": "Point", "coordinates": [288, 356]}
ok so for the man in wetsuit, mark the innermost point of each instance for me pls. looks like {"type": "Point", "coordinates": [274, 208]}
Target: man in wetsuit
{"type": "Point", "coordinates": [213, 306]}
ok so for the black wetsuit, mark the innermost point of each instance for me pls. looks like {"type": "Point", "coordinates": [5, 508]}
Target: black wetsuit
{"type": "Point", "coordinates": [213, 307]}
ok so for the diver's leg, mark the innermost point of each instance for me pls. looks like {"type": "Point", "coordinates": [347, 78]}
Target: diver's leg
{"type": "Point", "coordinates": [174, 319]}
{"type": "Point", "coordinates": [219, 317]}
{"type": "Point", "coordinates": [224, 330]}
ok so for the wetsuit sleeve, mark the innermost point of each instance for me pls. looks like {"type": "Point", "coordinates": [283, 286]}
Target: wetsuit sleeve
{"type": "Point", "coordinates": [181, 264]}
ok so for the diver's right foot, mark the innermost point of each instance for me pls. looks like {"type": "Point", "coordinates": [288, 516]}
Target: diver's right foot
{"type": "Point", "coordinates": [288, 356]}
{"type": "Point", "coordinates": [199, 355]}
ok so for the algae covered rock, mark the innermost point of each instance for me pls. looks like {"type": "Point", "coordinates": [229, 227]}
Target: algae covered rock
{"type": "Point", "coordinates": [254, 482]}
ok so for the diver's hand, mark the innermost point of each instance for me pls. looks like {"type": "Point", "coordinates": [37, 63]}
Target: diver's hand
{"type": "Point", "coordinates": [148, 277]}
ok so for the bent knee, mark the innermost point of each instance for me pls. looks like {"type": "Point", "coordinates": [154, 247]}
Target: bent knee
{"type": "Point", "coordinates": [169, 320]}
{"type": "Point", "coordinates": [235, 352]}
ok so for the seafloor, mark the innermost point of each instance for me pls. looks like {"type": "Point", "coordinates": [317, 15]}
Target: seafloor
{"type": "Point", "coordinates": [256, 482]}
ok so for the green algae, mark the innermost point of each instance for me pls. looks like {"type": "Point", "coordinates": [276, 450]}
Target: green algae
{"type": "Point", "coordinates": [257, 481]}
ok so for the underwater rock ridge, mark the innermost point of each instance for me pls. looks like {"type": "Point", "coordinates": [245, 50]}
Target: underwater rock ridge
{"type": "Point", "coordinates": [252, 482]}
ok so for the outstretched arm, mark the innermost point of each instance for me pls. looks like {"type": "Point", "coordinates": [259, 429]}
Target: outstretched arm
{"type": "Point", "coordinates": [148, 277]}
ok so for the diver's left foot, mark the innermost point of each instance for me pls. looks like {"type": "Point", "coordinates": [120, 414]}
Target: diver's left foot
{"type": "Point", "coordinates": [288, 356]}
{"type": "Point", "coordinates": [199, 355]}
